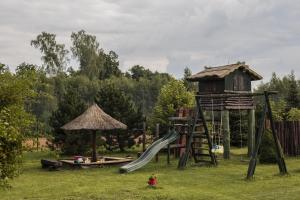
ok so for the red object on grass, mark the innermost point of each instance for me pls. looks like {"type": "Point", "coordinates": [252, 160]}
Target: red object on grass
{"type": "Point", "coordinates": [152, 181]}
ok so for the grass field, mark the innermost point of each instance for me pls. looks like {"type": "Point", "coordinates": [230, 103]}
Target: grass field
{"type": "Point", "coordinates": [223, 182]}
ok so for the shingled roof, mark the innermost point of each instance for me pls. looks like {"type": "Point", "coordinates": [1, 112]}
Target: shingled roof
{"type": "Point", "coordinates": [222, 71]}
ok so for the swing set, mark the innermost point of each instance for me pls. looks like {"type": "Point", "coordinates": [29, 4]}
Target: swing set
{"type": "Point", "coordinates": [214, 138]}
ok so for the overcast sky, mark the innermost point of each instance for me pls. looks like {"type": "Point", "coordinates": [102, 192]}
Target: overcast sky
{"type": "Point", "coordinates": [163, 35]}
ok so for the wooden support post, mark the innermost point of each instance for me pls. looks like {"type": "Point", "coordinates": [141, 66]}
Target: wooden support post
{"type": "Point", "coordinates": [251, 131]}
{"type": "Point", "coordinates": [168, 156]}
{"type": "Point", "coordinates": [94, 153]}
{"type": "Point", "coordinates": [253, 160]}
{"type": "Point", "coordinates": [280, 157]}
{"type": "Point", "coordinates": [156, 138]}
{"type": "Point", "coordinates": [144, 136]}
{"type": "Point", "coordinates": [226, 134]}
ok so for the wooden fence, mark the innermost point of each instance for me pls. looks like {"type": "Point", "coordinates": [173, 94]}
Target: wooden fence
{"type": "Point", "coordinates": [288, 133]}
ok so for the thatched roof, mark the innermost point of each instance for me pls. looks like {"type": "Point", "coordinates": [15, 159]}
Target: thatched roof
{"type": "Point", "coordinates": [222, 71]}
{"type": "Point", "coordinates": [94, 118]}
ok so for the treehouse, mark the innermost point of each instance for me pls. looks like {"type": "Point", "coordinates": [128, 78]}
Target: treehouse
{"type": "Point", "coordinates": [226, 79]}
{"type": "Point", "coordinates": [223, 81]}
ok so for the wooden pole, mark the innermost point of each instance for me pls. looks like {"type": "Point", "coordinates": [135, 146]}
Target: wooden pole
{"type": "Point", "coordinates": [253, 160]}
{"type": "Point", "coordinates": [169, 152]}
{"type": "Point", "coordinates": [251, 131]}
{"type": "Point", "coordinates": [280, 157]}
{"type": "Point", "coordinates": [226, 134]}
{"type": "Point", "coordinates": [144, 136]}
{"type": "Point", "coordinates": [156, 138]}
{"type": "Point", "coordinates": [94, 153]}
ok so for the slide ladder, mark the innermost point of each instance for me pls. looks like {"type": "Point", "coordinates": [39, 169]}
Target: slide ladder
{"type": "Point", "coordinates": [199, 142]}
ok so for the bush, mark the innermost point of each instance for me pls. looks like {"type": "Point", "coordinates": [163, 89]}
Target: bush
{"type": "Point", "coordinates": [294, 114]}
{"type": "Point", "coordinates": [267, 149]}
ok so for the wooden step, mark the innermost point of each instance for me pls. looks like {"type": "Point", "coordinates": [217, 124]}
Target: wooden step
{"type": "Point", "coordinates": [199, 132]}
{"type": "Point", "coordinates": [202, 154]}
{"type": "Point", "coordinates": [200, 136]}
{"type": "Point", "coordinates": [203, 161]}
{"type": "Point", "coordinates": [200, 148]}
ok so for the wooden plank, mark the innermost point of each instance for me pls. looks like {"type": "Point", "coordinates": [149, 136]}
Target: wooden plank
{"type": "Point", "coordinates": [226, 134]}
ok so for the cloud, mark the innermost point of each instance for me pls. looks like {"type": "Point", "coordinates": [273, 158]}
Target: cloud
{"type": "Point", "coordinates": [163, 35]}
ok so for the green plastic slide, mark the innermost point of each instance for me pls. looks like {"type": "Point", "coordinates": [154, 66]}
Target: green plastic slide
{"type": "Point", "coordinates": [151, 151]}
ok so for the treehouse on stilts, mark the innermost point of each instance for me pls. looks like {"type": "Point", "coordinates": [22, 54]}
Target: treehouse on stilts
{"type": "Point", "coordinates": [223, 89]}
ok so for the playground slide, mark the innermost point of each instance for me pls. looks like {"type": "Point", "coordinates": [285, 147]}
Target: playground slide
{"type": "Point", "coordinates": [151, 151]}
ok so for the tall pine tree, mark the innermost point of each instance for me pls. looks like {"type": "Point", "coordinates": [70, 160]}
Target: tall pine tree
{"type": "Point", "coordinates": [293, 98]}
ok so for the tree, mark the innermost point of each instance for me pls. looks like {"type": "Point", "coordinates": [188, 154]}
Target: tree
{"type": "Point", "coordinates": [94, 62]}
{"type": "Point", "coordinates": [278, 109]}
{"type": "Point", "coordinates": [267, 149]}
{"type": "Point", "coordinates": [76, 93]}
{"type": "Point", "coordinates": [188, 84]}
{"type": "Point", "coordinates": [138, 72]}
{"type": "Point", "coordinates": [110, 65]}
{"type": "Point", "coordinates": [144, 91]}
{"type": "Point", "coordinates": [85, 48]}
{"type": "Point", "coordinates": [69, 107]}
{"type": "Point", "coordinates": [120, 106]}
{"type": "Point", "coordinates": [54, 55]}
{"type": "Point", "coordinates": [172, 96]}
{"type": "Point", "coordinates": [293, 98]}
{"type": "Point", "coordinates": [14, 123]}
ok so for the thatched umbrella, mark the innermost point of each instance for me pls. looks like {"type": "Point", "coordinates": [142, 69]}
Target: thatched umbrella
{"type": "Point", "coordinates": [93, 119]}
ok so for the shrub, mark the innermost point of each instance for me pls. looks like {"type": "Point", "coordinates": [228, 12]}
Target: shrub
{"type": "Point", "coordinates": [294, 114]}
{"type": "Point", "coordinates": [267, 149]}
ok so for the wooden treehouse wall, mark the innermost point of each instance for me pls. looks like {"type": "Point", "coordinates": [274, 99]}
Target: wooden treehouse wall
{"type": "Point", "coordinates": [238, 81]}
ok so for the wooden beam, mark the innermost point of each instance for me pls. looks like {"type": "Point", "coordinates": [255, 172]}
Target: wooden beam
{"type": "Point", "coordinates": [253, 160]}
{"type": "Point", "coordinates": [280, 157]}
{"type": "Point", "coordinates": [251, 131]}
{"type": "Point", "coordinates": [235, 94]}
{"type": "Point", "coordinates": [226, 134]}
{"type": "Point", "coordinates": [94, 153]}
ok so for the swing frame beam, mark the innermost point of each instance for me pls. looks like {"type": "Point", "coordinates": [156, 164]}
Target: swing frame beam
{"type": "Point", "coordinates": [267, 112]}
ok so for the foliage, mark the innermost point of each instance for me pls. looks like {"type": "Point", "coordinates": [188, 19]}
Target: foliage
{"type": "Point", "coordinates": [77, 93]}
{"type": "Point", "coordinates": [144, 91]}
{"type": "Point", "coordinates": [293, 97]}
{"type": "Point", "coordinates": [137, 72]}
{"type": "Point", "coordinates": [287, 87]}
{"type": "Point", "coordinates": [267, 149]}
{"type": "Point", "coordinates": [188, 84]}
{"type": "Point", "coordinates": [94, 62]}
{"type": "Point", "coordinates": [44, 102]}
{"type": "Point", "coordinates": [278, 109]}
{"type": "Point", "coordinates": [14, 123]}
{"type": "Point", "coordinates": [120, 106]}
{"type": "Point", "coordinates": [293, 115]}
{"type": "Point", "coordinates": [172, 96]}
{"type": "Point", "coordinates": [54, 54]}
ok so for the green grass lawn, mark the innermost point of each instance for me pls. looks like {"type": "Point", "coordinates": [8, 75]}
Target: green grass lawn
{"type": "Point", "coordinates": [223, 182]}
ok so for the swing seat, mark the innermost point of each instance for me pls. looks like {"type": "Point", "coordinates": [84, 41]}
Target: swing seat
{"type": "Point", "coordinates": [217, 149]}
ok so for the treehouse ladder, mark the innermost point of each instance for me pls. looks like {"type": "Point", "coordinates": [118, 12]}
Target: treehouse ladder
{"type": "Point", "coordinates": [196, 141]}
